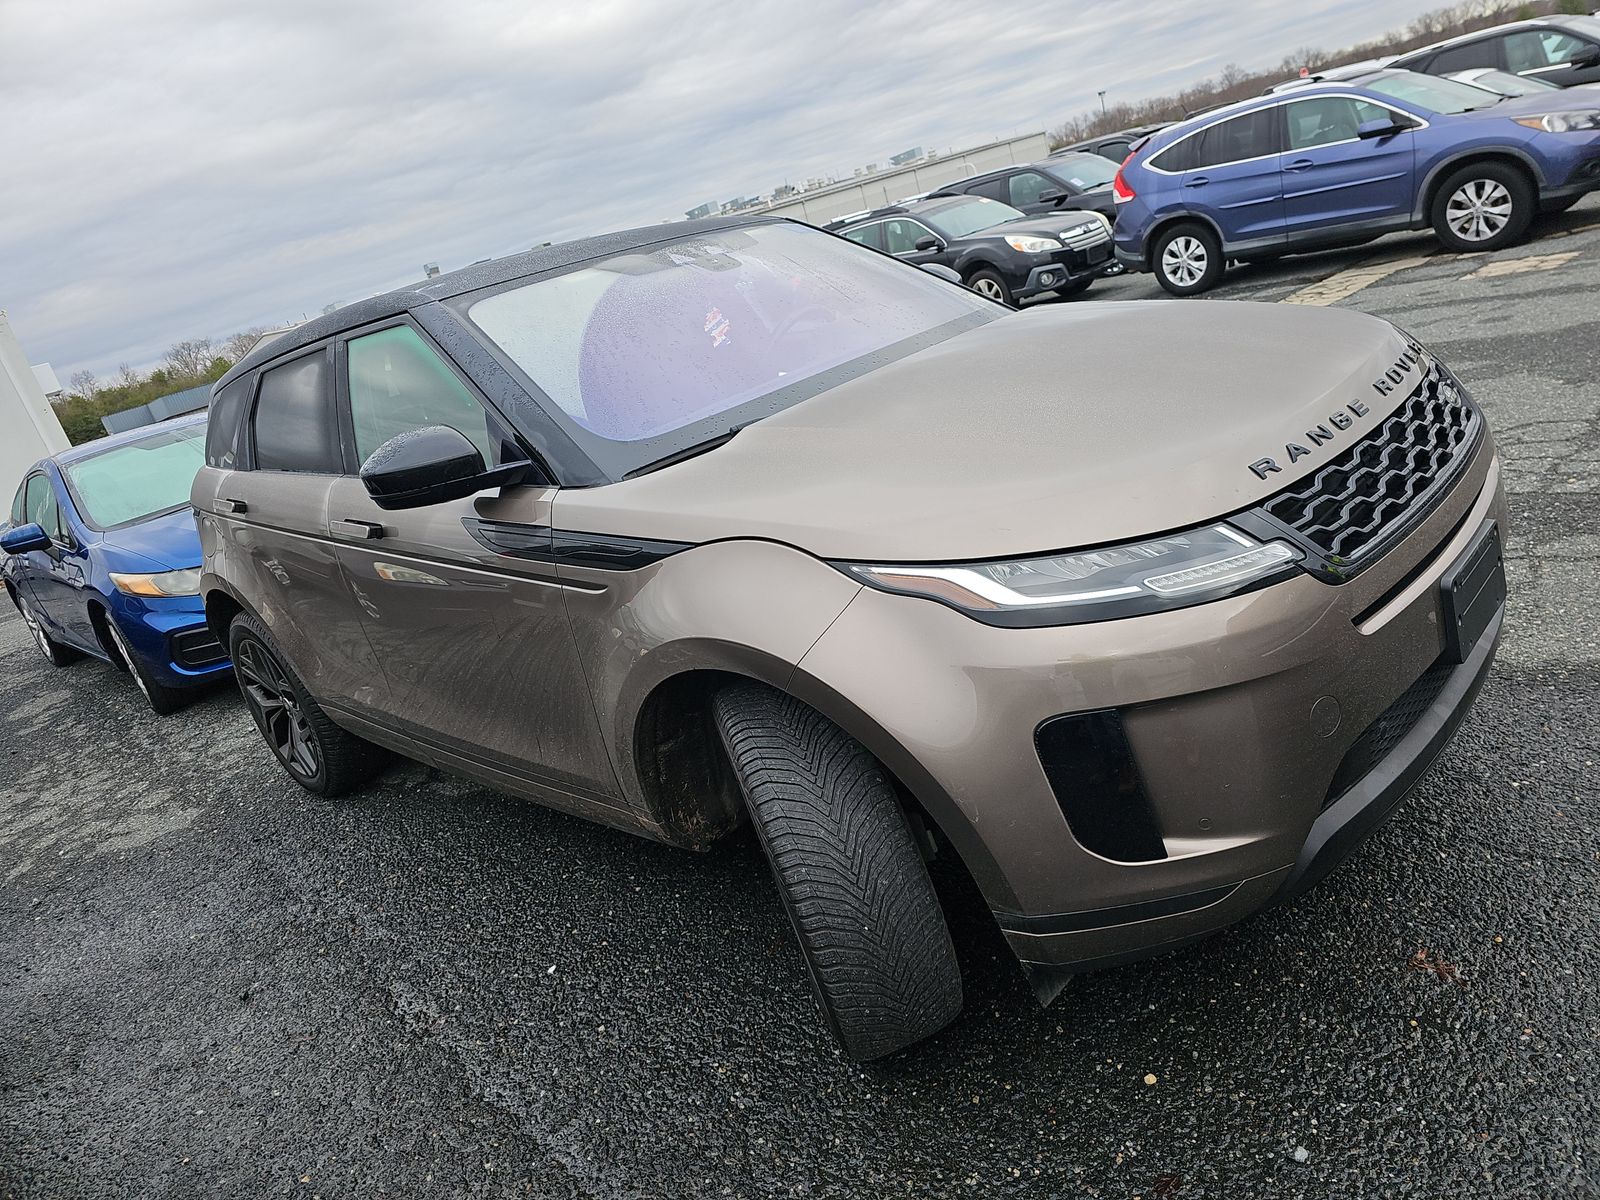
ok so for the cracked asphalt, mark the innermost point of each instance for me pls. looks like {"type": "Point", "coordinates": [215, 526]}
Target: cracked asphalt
{"type": "Point", "coordinates": [212, 984]}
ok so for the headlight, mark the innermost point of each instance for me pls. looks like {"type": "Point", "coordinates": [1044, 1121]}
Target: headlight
{"type": "Point", "coordinates": [1564, 122]}
{"type": "Point", "coordinates": [1032, 245]}
{"type": "Point", "coordinates": [1095, 585]}
{"type": "Point", "coordinates": [167, 583]}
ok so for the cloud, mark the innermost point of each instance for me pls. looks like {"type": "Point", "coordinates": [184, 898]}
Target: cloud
{"type": "Point", "coordinates": [177, 168]}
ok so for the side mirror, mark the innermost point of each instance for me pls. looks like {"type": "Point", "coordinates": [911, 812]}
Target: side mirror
{"type": "Point", "coordinates": [1049, 196]}
{"type": "Point", "coordinates": [430, 466]}
{"type": "Point", "coordinates": [1585, 58]}
{"type": "Point", "coordinates": [1379, 127]}
{"type": "Point", "coordinates": [928, 242]}
{"type": "Point", "coordinates": [24, 538]}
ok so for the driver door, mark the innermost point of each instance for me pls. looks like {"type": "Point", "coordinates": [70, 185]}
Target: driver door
{"type": "Point", "coordinates": [465, 615]}
{"type": "Point", "coordinates": [1333, 178]}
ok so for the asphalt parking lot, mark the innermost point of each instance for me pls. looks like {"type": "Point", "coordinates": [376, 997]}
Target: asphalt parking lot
{"type": "Point", "coordinates": [212, 984]}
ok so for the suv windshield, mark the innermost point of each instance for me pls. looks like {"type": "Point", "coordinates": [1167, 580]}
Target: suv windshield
{"type": "Point", "coordinates": [969, 217]}
{"type": "Point", "coordinates": [1086, 171]}
{"type": "Point", "coordinates": [140, 479]}
{"type": "Point", "coordinates": [657, 350]}
{"type": "Point", "coordinates": [1432, 93]}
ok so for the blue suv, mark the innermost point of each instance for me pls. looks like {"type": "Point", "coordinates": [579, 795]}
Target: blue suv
{"type": "Point", "coordinates": [102, 557]}
{"type": "Point", "coordinates": [1335, 164]}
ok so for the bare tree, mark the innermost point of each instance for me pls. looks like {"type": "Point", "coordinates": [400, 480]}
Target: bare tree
{"type": "Point", "coordinates": [127, 377]}
{"type": "Point", "coordinates": [84, 384]}
{"type": "Point", "coordinates": [241, 343]}
{"type": "Point", "coordinates": [189, 360]}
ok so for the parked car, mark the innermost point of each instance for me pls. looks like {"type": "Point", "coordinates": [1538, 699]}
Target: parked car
{"type": "Point", "coordinates": [1504, 83]}
{"type": "Point", "coordinates": [734, 520]}
{"type": "Point", "coordinates": [102, 558]}
{"type": "Point", "coordinates": [1563, 50]}
{"type": "Point", "coordinates": [1115, 146]}
{"type": "Point", "coordinates": [998, 251]}
{"type": "Point", "coordinates": [1079, 182]}
{"type": "Point", "coordinates": [1341, 163]}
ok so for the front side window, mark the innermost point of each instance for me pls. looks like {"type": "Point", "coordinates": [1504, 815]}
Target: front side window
{"type": "Point", "coordinates": [42, 508]}
{"type": "Point", "coordinates": [1323, 120]}
{"type": "Point", "coordinates": [294, 422]}
{"type": "Point", "coordinates": [900, 236]}
{"type": "Point", "coordinates": [1540, 49]}
{"type": "Point", "coordinates": [649, 351]}
{"type": "Point", "coordinates": [1027, 186]}
{"type": "Point", "coordinates": [399, 383]}
{"type": "Point", "coordinates": [1466, 58]}
{"type": "Point", "coordinates": [1253, 135]}
{"type": "Point", "coordinates": [139, 479]}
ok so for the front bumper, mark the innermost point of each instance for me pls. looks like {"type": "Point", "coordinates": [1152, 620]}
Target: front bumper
{"type": "Point", "coordinates": [171, 638]}
{"type": "Point", "coordinates": [1239, 715]}
{"type": "Point", "coordinates": [1067, 267]}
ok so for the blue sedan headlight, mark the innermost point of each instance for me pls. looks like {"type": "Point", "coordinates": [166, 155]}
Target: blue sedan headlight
{"type": "Point", "coordinates": [1579, 121]}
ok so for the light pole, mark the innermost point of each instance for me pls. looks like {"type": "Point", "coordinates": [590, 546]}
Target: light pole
{"type": "Point", "coordinates": [1103, 92]}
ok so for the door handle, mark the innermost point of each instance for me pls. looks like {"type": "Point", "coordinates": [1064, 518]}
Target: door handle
{"type": "Point", "coordinates": [1197, 181]}
{"type": "Point", "coordinates": [232, 506]}
{"type": "Point", "coordinates": [1300, 164]}
{"type": "Point", "coordinates": [364, 530]}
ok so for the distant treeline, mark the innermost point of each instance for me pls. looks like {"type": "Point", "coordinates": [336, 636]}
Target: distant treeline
{"type": "Point", "coordinates": [1238, 83]}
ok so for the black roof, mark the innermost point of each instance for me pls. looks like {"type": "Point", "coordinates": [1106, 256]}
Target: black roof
{"type": "Point", "coordinates": [479, 275]}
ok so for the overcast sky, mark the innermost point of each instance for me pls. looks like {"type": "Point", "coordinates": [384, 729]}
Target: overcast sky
{"type": "Point", "coordinates": [173, 169]}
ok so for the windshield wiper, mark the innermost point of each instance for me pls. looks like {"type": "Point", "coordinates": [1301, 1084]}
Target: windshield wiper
{"type": "Point", "coordinates": [694, 451]}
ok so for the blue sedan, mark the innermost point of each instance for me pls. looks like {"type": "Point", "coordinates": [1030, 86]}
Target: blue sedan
{"type": "Point", "coordinates": [1334, 164]}
{"type": "Point", "coordinates": [102, 558]}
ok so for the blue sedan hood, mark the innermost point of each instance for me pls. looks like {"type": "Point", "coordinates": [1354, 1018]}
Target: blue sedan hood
{"type": "Point", "coordinates": [168, 542]}
{"type": "Point", "coordinates": [1565, 100]}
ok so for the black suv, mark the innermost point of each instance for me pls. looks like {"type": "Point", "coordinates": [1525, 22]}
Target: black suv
{"type": "Point", "coordinates": [998, 251]}
{"type": "Point", "coordinates": [1068, 181]}
{"type": "Point", "coordinates": [1563, 50]}
{"type": "Point", "coordinates": [1115, 146]}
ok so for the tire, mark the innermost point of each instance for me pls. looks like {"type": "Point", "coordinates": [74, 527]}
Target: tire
{"type": "Point", "coordinates": [59, 655]}
{"type": "Point", "coordinates": [162, 699]}
{"type": "Point", "coordinates": [992, 286]}
{"type": "Point", "coordinates": [848, 869]}
{"type": "Point", "coordinates": [1076, 288]}
{"type": "Point", "coordinates": [1483, 206]}
{"type": "Point", "coordinates": [1187, 259]}
{"type": "Point", "coordinates": [321, 757]}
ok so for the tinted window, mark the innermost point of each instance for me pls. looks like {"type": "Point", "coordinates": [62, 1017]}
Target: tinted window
{"type": "Point", "coordinates": [1532, 49]}
{"type": "Point", "coordinates": [900, 237]}
{"type": "Point", "coordinates": [1115, 151]}
{"type": "Point", "coordinates": [702, 333]}
{"type": "Point", "coordinates": [294, 425]}
{"type": "Point", "coordinates": [1027, 186]}
{"type": "Point", "coordinates": [222, 428]}
{"type": "Point", "coordinates": [992, 189]}
{"type": "Point", "coordinates": [398, 383]}
{"type": "Point", "coordinates": [1323, 120]}
{"type": "Point", "coordinates": [152, 475]}
{"type": "Point", "coordinates": [1465, 58]}
{"type": "Point", "coordinates": [1180, 156]}
{"type": "Point", "coordinates": [868, 235]}
{"type": "Point", "coordinates": [1253, 135]}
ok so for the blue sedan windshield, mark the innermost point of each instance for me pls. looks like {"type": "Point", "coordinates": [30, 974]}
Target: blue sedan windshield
{"type": "Point", "coordinates": [140, 479]}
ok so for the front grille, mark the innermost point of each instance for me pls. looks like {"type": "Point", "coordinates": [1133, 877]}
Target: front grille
{"type": "Point", "coordinates": [1091, 235]}
{"type": "Point", "coordinates": [1384, 734]}
{"type": "Point", "coordinates": [1387, 480]}
{"type": "Point", "coordinates": [196, 648]}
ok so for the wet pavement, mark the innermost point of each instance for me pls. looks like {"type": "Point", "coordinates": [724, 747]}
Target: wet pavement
{"type": "Point", "coordinates": [212, 984]}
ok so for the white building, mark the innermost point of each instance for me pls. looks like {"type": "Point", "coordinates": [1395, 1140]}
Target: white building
{"type": "Point", "coordinates": [29, 430]}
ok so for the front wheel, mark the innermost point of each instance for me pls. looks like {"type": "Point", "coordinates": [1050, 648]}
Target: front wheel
{"type": "Point", "coordinates": [319, 756]}
{"type": "Point", "coordinates": [161, 699]}
{"type": "Point", "coordinates": [1483, 206]}
{"type": "Point", "coordinates": [1187, 260]}
{"type": "Point", "coordinates": [992, 286]}
{"type": "Point", "coordinates": [848, 869]}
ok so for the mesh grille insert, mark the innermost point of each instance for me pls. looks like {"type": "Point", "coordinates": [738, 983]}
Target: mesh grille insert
{"type": "Point", "coordinates": [1384, 734]}
{"type": "Point", "coordinates": [1380, 482]}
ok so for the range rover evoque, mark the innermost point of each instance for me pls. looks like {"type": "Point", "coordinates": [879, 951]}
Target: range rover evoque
{"type": "Point", "coordinates": [737, 520]}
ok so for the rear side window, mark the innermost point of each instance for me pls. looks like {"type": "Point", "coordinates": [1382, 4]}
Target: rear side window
{"type": "Point", "coordinates": [994, 189]}
{"type": "Point", "coordinates": [398, 383]}
{"type": "Point", "coordinates": [1254, 135]}
{"type": "Point", "coordinates": [1178, 157]}
{"type": "Point", "coordinates": [222, 426]}
{"type": "Point", "coordinates": [294, 422]}
{"type": "Point", "coordinates": [1466, 58]}
{"type": "Point", "coordinates": [1116, 151]}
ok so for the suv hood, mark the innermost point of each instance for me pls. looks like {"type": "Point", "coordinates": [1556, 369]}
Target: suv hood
{"type": "Point", "coordinates": [1512, 107]}
{"type": "Point", "coordinates": [1049, 429]}
{"type": "Point", "coordinates": [1043, 226]}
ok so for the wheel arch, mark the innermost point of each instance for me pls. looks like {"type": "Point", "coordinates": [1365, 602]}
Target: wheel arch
{"type": "Point", "coordinates": [1437, 173]}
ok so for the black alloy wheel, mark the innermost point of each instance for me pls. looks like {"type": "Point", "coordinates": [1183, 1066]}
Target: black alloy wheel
{"type": "Point", "coordinates": [276, 707]}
